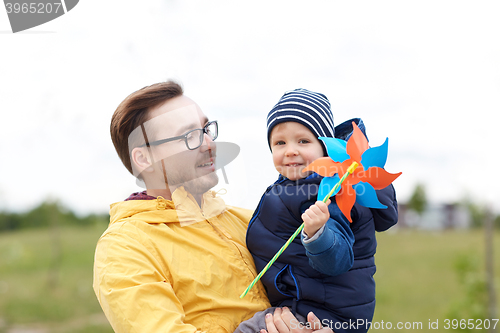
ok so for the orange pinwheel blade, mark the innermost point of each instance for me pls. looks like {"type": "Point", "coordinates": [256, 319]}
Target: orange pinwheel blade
{"type": "Point", "coordinates": [323, 166]}
{"type": "Point", "coordinates": [378, 177]}
{"type": "Point", "coordinates": [357, 144]}
{"type": "Point", "coordinates": [345, 200]}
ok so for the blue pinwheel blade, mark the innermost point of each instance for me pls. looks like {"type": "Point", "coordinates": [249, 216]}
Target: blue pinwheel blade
{"type": "Point", "coordinates": [327, 185]}
{"type": "Point", "coordinates": [375, 156]}
{"type": "Point", "coordinates": [366, 195]}
{"type": "Point", "coordinates": [336, 149]}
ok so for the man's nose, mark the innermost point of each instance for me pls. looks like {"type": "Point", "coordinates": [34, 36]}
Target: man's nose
{"type": "Point", "coordinates": [208, 143]}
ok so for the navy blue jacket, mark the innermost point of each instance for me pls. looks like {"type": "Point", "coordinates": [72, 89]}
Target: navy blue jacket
{"type": "Point", "coordinates": [292, 281]}
{"type": "Point", "coordinates": [297, 279]}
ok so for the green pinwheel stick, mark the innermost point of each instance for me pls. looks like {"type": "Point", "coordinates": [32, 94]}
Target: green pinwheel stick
{"type": "Point", "coordinates": [350, 170]}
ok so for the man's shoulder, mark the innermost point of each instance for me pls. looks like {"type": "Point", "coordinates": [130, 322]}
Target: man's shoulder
{"type": "Point", "coordinates": [132, 218]}
{"type": "Point", "coordinates": [126, 228]}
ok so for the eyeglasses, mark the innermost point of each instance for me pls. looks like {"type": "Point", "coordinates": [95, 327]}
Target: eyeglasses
{"type": "Point", "coordinates": [193, 138]}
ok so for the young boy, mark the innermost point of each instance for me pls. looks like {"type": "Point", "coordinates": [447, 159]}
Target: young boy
{"type": "Point", "coordinates": [330, 269]}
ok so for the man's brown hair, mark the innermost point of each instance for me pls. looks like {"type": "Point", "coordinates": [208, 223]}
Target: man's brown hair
{"type": "Point", "coordinates": [133, 112]}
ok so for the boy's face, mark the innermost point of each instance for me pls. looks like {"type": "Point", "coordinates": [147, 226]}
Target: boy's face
{"type": "Point", "coordinates": [294, 146]}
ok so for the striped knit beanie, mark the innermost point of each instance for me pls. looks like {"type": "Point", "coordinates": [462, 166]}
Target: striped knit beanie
{"type": "Point", "coordinates": [304, 107]}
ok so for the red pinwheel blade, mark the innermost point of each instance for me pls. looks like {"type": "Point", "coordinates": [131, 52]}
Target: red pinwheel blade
{"type": "Point", "coordinates": [323, 166]}
{"type": "Point", "coordinates": [345, 200]}
{"type": "Point", "coordinates": [378, 177]}
{"type": "Point", "coordinates": [357, 144]}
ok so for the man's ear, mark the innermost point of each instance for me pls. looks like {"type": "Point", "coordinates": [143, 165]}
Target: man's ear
{"type": "Point", "coordinates": [141, 160]}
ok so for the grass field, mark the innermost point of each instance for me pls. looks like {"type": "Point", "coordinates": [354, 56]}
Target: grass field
{"type": "Point", "coordinates": [48, 288]}
{"type": "Point", "coordinates": [419, 276]}
{"type": "Point", "coordinates": [46, 278]}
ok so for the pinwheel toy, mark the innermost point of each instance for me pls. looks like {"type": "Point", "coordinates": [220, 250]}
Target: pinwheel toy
{"type": "Point", "coordinates": [359, 185]}
{"type": "Point", "coordinates": [352, 171]}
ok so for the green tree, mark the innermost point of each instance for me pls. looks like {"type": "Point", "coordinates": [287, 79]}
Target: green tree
{"type": "Point", "coordinates": [418, 200]}
{"type": "Point", "coordinates": [477, 212]}
{"type": "Point", "coordinates": [47, 214]}
{"type": "Point", "coordinates": [9, 221]}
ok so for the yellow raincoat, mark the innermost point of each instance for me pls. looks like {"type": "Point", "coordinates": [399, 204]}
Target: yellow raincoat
{"type": "Point", "coordinates": [167, 266]}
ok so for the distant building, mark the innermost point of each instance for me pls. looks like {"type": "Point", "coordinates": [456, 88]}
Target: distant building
{"type": "Point", "coordinates": [435, 217]}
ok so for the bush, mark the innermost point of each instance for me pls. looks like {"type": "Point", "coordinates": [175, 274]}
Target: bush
{"type": "Point", "coordinates": [474, 302]}
{"type": "Point", "coordinates": [48, 213]}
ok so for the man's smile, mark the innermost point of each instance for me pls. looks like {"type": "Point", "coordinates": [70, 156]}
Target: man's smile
{"type": "Point", "coordinates": [207, 165]}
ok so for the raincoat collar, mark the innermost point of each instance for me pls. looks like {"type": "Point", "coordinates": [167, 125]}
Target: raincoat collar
{"type": "Point", "coordinates": [182, 209]}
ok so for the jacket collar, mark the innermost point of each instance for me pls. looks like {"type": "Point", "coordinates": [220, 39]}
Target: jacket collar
{"type": "Point", "coordinates": [182, 209]}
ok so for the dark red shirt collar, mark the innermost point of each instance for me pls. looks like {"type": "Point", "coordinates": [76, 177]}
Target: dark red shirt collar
{"type": "Point", "coordinates": [140, 196]}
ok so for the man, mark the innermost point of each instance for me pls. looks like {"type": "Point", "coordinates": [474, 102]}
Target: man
{"type": "Point", "coordinates": [173, 258]}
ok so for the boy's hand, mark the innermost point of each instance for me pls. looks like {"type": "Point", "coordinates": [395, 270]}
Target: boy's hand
{"type": "Point", "coordinates": [283, 321]}
{"type": "Point", "coordinates": [315, 217]}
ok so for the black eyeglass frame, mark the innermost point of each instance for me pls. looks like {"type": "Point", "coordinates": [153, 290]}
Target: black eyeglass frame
{"type": "Point", "coordinates": [184, 136]}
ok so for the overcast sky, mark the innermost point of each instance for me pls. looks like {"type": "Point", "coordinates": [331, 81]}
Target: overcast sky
{"type": "Point", "coordinates": [425, 74]}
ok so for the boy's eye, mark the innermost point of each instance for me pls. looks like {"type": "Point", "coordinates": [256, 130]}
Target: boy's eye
{"type": "Point", "coordinates": [304, 141]}
{"type": "Point", "coordinates": [279, 143]}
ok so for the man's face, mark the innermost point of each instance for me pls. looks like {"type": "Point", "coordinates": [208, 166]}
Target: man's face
{"type": "Point", "coordinates": [174, 164]}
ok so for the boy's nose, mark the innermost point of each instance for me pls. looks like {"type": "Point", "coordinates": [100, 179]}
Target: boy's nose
{"type": "Point", "coordinates": [291, 151]}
